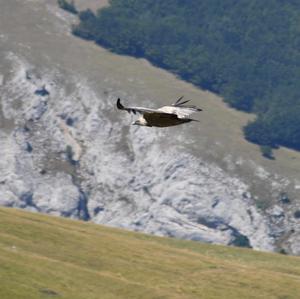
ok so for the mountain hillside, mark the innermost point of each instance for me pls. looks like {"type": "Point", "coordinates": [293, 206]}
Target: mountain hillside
{"type": "Point", "coordinates": [66, 150]}
{"type": "Point", "coordinates": [50, 257]}
{"type": "Point", "coordinates": [247, 51]}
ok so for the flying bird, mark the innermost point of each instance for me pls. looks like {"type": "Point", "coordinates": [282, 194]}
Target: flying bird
{"type": "Point", "coordinates": [166, 116]}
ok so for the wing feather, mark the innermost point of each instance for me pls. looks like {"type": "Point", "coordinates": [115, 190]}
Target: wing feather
{"type": "Point", "coordinates": [179, 102]}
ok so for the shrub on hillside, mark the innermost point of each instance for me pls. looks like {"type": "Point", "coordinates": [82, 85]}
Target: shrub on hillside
{"type": "Point", "coordinates": [68, 6]}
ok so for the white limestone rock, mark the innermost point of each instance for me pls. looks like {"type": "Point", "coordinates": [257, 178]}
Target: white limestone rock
{"type": "Point", "coordinates": [133, 179]}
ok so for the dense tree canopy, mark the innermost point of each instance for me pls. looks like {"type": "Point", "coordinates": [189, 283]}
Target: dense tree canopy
{"type": "Point", "coordinates": [247, 50]}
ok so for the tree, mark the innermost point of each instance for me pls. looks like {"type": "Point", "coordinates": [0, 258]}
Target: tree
{"type": "Point", "coordinates": [68, 6]}
{"type": "Point", "coordinates": [267, 151]}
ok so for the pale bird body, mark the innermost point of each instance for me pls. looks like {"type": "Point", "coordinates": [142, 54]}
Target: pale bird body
{"type": "Point", "coordinates": [166, 116]}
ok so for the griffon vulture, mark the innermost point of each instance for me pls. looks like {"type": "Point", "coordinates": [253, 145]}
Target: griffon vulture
{"type": "Point", "coordinates": [165, 116]}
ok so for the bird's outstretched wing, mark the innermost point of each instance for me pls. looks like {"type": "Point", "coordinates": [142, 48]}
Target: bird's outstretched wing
{"type": "Point", "coordinates": [135, 110]}
{"type": "Point", "coordinates": [178, 108]}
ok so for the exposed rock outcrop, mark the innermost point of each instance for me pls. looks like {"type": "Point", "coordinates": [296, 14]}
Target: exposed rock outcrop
{"type": "Point", "coordinates": [126, 177]}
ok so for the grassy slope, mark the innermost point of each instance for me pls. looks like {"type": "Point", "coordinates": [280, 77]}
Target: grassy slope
{"type": "Point", "coordinates": [42, 257]}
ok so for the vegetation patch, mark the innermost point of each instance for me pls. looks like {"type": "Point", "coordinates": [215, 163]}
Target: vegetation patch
{"type": "Point", "coordinates": [68, 6]}
{"type": "Point", "coordinates": [297, 214]}
{"type": "Point", "coordinates": [267, 152]}
{"type": "Point", "coordinates": [49, 292]}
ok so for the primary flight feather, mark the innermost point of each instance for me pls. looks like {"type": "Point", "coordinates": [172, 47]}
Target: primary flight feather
{"type": "Point", "coordinates": [166, 116]}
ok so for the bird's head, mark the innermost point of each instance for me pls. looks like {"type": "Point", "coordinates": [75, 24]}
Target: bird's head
{"type": "Point", "coordinates": [137, 123]}
{"type": "Point", "coordinates": [140, 122]}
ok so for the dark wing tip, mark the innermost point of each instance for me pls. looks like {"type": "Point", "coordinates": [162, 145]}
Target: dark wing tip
{"type": "Point", "coordinates": [181, 103]}
{"type": "Point", "coordinates": [119, 105]}
{"type": "Point", "coordinates": [178, 100]}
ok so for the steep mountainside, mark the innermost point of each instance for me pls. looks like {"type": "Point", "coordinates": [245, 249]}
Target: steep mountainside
{"type": "Point", "coordinates": [49, 257]}
{"type": "Point", "coordinates": [66, 150]}
{"type": "Point", "coordinates": [246, 51]}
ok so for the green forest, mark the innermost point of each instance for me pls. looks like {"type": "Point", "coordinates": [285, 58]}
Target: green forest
{"type": "Point", "coordinates": [248, 51]}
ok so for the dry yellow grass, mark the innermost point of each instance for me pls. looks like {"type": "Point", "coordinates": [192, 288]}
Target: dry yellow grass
{"type": "Point", "coordinates": [42, 257]}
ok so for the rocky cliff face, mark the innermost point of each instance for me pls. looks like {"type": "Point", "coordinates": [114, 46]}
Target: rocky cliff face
{"type": "Point", "coordinates": [65, 150]}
